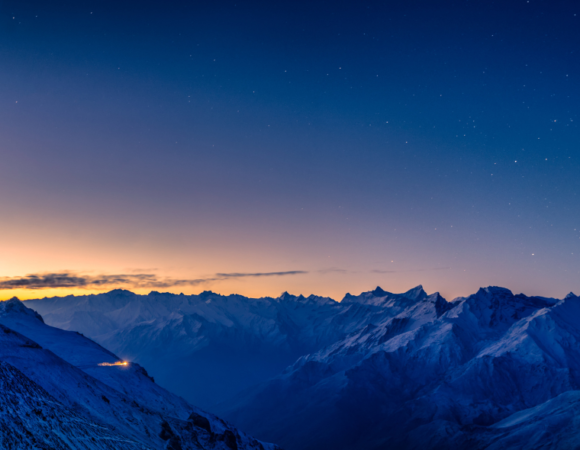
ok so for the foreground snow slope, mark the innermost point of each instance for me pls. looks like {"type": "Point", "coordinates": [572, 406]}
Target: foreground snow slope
{"type": "Point", "coordinates": [54, 394]}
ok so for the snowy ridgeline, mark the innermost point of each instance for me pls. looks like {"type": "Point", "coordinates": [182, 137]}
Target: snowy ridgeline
{"type": "Point", "coordinates": [54, 394]}
{"type": "Point", "coordinates": [379, 370]}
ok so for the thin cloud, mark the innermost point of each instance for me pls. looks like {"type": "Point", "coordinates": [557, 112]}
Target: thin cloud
{"type": "Point", "coordinates": [260, 274]}
{"type": "Point", "coordinates": [410, 270]}
{"type": "Point", "coordinates": [147, 280]}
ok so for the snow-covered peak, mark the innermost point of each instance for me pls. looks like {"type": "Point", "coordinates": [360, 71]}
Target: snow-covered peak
{"type": "Point", "coordinates": [494, 291]}
{"type": "Point", "coordinates": [380, 297]}
{"type": "Point", "coordinates": [441, 305]}
{"type": "Point", "coordinates": [379, 292]}
{"type": "Point", "coordinates": [206, 294]}
{"type": "Point", "coordinates": [15, 306]}
{"type": "Point", "coordinates": [417, 293]}
{"type": "Point", "coordinates": [498, 297]}
{"type": "Point", "coordinates": [369, 297]}
{"type": "Point", "coordinates": [121, 293]}
{"type": "Point", "coordinates": [430, 374]}
{"type": "Point", "coordinates": [287, 298]}
{"type": "Point", "coordinates": [376, 348]}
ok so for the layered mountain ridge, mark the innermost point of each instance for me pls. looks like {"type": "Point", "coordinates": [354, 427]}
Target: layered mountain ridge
{"type": "Point", "coordinates": [377, 370]}
{"type": "Point", "coordinates": [177, 337]}
{"type": "Point", "coordinates": [60, 390]}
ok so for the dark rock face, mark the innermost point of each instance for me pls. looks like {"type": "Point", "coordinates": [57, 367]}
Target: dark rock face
{"type": "Point", "coordinates": [230, 440]}
{"type": "Point", "coordinates": [167, 434]}
{"type": "Point", "coordinates": [200, 421]}
{"type": "Point", "coordinates": [166, 431]}
{"type": "Point", "coordinates": [174, 444]}
{"type": "Point", "coordinates": [442, 306]}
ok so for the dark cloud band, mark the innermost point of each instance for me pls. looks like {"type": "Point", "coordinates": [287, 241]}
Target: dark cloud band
{"type": "Point", "coordinates": [73, 280]}
{"type": "Point", "coordinates": [264, 274]}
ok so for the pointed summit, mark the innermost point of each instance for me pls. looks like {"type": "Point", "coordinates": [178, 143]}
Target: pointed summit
{"type": "Point", "coordinates": [285, 296]}
{"type": "Point", "coordinates": [14, 305]}
{"type": "Point", "coordinates": [441, 305]}
{"type": "Point", "coordinates": [378, 292]}
{"type": "Point", "coordinates": [417, 293]}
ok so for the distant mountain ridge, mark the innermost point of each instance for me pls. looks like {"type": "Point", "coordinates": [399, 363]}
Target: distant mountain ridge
{"type": "Point", "coordinates": [177, 337]}
{"type": "Point", "coordinates": [378, 370]}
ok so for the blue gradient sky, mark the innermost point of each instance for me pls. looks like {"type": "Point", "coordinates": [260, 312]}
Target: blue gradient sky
{"type": "Point", "coordinates": [364, 143]}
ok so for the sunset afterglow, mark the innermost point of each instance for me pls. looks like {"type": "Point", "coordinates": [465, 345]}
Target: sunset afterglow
{"type": "Point", "coordinates": [226, 152]}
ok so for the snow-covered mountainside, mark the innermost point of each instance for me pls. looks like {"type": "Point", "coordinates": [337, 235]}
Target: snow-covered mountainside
{"type": "Point", "coordinates": [378, 370]}
{"type": "Point", "coordinates": [55, 394]}
{"type": "Point", "coordinates": [492, 370]}
{"type": "Point", "coordinates": [206, 347]}
{"type": "Point", "coordinates": [209, 347]}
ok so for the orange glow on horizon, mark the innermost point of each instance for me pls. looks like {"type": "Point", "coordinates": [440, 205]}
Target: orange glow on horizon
{"type": "Point", "coordinates": [30, 294]}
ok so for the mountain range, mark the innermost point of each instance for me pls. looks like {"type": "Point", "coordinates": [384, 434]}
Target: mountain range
{"type": "Point", "coordinates": [60, 390]}
{"type": "Point", "coordinates": [379, 370]}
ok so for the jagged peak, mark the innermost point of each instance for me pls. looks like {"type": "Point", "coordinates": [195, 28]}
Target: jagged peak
{"type": "Point", "coordinates": [504, 306]}
{"type": "Point", "coordinates": [167, 294]}
{"type": "Point", "coordinates": [206, 294]}
{"type": "Point", "coordinates": [286, 296]}
{"type": "Point", "coordinates": [417, 293]}
{"type": "Point", "coordinates": [441, 304]}
{"type": "Point", "coordinates": [379, 295]}
{"type": "Point", "coordinates": [121, 292]}
{"type": "Point", "coordinates": [378, 292]}
{"type": "Point", "coordinates": [436, 296]}
{"type": "Point", "coordinates": [348, 296]}
{"type": "Point", "coordinates": [319, 299]}
{"type": "Point", "coordinates": [14, 305]}
{"type": "Point", "coordinates": [494, 291]}
{"type": "Point", "coordinates": [570, 296]}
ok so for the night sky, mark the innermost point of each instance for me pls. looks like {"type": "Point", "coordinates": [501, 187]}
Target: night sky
{"type": "Point", "coordinates": [314, 147]}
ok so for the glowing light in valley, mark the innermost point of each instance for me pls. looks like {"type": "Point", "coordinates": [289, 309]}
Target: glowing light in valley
{"type": "Point", "coordinates": [118, 363]}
